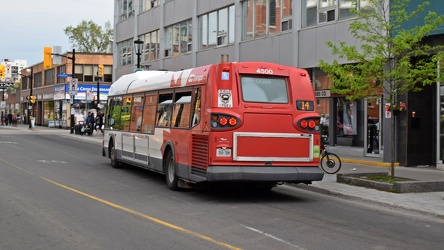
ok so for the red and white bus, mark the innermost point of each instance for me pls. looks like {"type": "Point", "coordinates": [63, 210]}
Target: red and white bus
{"type": "Point", "coordinates": [252, 122]}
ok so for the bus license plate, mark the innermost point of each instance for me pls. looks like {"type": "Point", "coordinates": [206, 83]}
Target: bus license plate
{"type": "Point", "coordinates": [223, 152]}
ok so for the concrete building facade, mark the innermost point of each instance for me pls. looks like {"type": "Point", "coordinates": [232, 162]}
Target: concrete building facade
{"type": "Point", "coordinates": [180, 34]}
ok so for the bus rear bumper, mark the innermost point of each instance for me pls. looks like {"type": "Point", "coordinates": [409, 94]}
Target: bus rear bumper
{"type": "Point", "coordinates": [252, 173]}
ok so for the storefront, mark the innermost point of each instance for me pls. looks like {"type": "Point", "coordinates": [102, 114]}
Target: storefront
{"type": "Point", "coordinates": [85, 101]}
{"type": "Point", "coordinates": [345, 122]}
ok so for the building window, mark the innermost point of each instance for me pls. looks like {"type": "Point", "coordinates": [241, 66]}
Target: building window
{"type": "Point", "coordinates": [151, 46]}
{"type": "Point", "coordinates": [327, 11]}
{"type": "Point", "coordinates": [216, 28]}
{"type": "Point", "coordinates": [261, 18]}
{"type": "Point", "coordinates": [286, 15]}
{"type": "Point", "coordinates": [178, 38]}
{"type": "Point", "coordinates": [24, 82]}
{"type": "Point", "coordinates": [88, 73]}
{"type": "Point", "coordinates": [37, 80]}
{"type": "Point", "coordinates": [78, 69]}
{"type": "Point", "coordinates": [126, 10]}
{"type": "Point", "coordinates": [344, 9]}
{"type": "Point", "coordinates": [146, 5]}
{"type": "Point", "coordinates": [125, 49]}
{"type": "Point", "coordinates": [107, 73]}
{"type": "Point", "coordinates": [316, 12]}
{"type": "Point", "coordinates": [49, 77]}
{"type": "Point", "coordinates": [61, 70]}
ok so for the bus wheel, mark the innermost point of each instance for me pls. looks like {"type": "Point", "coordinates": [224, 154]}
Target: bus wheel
{"type": "Point", "coordinates": [113, 157]}
{"type": "Point", "coordinates": [170, 171]}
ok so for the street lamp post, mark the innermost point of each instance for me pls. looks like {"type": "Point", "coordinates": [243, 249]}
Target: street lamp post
{"type": "Point", "coordinates": [138, 46]}
{"type": "Point", "coordinates": [31, 105]}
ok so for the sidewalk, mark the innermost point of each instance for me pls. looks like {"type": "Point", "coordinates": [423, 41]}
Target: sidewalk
{"type": "Point", "coordinates": [431, 203]}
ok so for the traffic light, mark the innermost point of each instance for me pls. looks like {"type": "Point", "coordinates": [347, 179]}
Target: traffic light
{"type": "Point", "coordinates": [47, 57]}
{"type": "Point", "coordinates": [32, 99]}
{"type": "Point", "coordinates": [2, 71]}
{"type": "Point", "coordinates": [100, 70]}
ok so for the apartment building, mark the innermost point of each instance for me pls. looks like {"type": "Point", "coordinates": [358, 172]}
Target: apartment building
{"type": "Point", "coordinates": [180, 34]}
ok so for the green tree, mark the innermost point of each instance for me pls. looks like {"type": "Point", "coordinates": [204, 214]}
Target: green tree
{"type": "Point", "coordinates": [391, 59]}
{"type": "Point", "coordinates": [90, 37]}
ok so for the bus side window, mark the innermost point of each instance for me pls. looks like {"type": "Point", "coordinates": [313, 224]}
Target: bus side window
{"type": "Point", "coordinates": [196, 108]}
{"type": "Point", "coordinates": [182, 109]}
{"type": "Point", "coordinates": [149, 113]}
{"type": "Point", "coordinates": [164, 110]}
{"type": "Point", "coordinates": [114, 113]}
{"type": "Point", "coordinates": [136, 113]}
{"type": "Point", "coordinates": [125, 113]}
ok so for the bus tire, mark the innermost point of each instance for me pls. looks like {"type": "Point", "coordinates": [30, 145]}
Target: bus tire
{"type": "Point", "coordinates": [170, 171]}
{"type": "Point", "coordinates": [112, 155]}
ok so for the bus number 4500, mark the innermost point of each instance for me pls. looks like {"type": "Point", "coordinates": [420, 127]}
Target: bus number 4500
{"type": "Point", "coordinates": [264, 71]}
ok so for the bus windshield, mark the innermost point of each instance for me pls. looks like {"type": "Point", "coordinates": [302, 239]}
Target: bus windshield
{"type": "Point", "coordinates": [264, 89]}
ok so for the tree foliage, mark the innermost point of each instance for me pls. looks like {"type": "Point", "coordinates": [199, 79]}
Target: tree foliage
{"type": "Point", "coordinates": [89, 37]}
{"type": "Point", "coordinates": [392, 59]}
{"type": "Point", "coordinates": [388, 54]}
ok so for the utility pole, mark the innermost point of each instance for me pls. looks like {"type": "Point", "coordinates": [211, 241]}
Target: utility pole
{"type": "Point", "coordinates": [73, 70]}
{"type": "Point", "coordinates": [73, 59]}
{"type": "Point", "coordinates": [99, 77]}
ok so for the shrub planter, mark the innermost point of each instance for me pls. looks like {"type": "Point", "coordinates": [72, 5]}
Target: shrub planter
{"type": "Point", "coordinates": [411, 186]}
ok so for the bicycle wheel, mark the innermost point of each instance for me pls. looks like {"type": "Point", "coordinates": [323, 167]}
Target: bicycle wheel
{"type": "Point", "coordinates": [331, 163]}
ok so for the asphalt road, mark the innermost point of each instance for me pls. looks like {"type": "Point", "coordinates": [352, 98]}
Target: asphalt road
{"type": "Point", "coordinates": [58, 193]}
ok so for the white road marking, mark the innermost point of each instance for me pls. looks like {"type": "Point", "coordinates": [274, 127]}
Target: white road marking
{"type": "Point", "coordinates": [8, 142]}
{"type": "Point", "coordinates": [52, 161]}
{"type": "Point", "coordinates": [273, 237]}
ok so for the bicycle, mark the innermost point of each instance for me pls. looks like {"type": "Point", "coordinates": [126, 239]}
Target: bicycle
{"type": "Point", "coordinates": [330, 162]}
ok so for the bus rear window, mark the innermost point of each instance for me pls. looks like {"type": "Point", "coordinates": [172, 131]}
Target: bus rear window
{"type": "Point", "coordinates": [264, 89]}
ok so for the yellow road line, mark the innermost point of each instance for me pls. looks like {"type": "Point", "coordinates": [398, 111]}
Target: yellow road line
{"type": "Point", "coordinates": [161, 222]}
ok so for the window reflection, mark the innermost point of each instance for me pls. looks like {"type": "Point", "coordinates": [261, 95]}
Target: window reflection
{"type": "Point", "coordinates": [216, 28]}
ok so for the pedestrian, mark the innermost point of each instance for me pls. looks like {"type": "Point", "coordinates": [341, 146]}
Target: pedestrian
{"type": "Point", "coordinates": [90, 123]}
{"type": "Point", "coordinates": [99, 122]}
{"type": "Point", "coordinates": [10, 119]}
{"type": "Point", "coordinates": [32, 122]}
{"type": "Point", "coordinates": [14, 120]}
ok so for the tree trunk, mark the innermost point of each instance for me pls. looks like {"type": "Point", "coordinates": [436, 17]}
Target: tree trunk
{"type": "Point", "coordinates": [392, 145]}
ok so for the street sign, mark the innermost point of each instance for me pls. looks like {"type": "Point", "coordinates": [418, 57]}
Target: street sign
{"type": "Point", "coordinates": [74, 83]}
{"type": "Point", "coordinates": [64, 75]}
{"type": "Point", "coordinates": [6, 84]}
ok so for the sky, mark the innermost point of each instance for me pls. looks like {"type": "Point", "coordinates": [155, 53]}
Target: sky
{"type": "Point", "coordinates": [27, 26]}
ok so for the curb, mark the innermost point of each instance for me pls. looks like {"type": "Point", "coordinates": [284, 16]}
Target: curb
{"type": "Point", "coordinates": [371, 163]}
{"type": "Point", "coordinates": [351, 197]}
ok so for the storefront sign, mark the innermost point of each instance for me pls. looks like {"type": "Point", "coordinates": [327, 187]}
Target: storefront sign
{"type": "Point", "coordinates": [322, 93]}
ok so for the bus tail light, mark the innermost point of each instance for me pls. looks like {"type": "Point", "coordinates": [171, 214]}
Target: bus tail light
{"type": "Point", "coordinates": [309, 124]}
{"type": "Point", "coordinates": [223, 121]}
